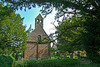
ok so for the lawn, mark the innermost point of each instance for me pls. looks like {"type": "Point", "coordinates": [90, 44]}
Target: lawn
{"type": "Point", "coordinates": [89, 65]}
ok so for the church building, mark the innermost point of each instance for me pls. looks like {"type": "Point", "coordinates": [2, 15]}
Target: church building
{"type": "Point", "coordinates": [38, 44]}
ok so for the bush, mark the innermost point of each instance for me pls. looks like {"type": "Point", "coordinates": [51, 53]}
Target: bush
{"type": "Point", "coordinates": [5, 61]}
{"type": "Point", "coordinates": [48, 63]}
{"type": "Point", "coordinates": [26, 63]}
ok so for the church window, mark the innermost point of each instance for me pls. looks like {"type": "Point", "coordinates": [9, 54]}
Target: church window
{"type": "Point", "coordinates": [40, 21]}
{"type": "Point", "coordinates": [37, 20]}
{"type": "Point", "coordinates": [39, 38]}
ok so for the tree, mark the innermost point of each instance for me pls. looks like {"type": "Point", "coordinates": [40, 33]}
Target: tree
{"type": "Point", "coordinates": [91, 38]}
{"type": "Point", "coordinates": [47, 5]}
{"type": "Point", "coordinates": [69, 35]}
{"type": "Point", "coordinates": [5, 10]}
{"type": "Point", "coordinates": [90, 9]}
{"type": "Point", "coordinates": [12, 34]}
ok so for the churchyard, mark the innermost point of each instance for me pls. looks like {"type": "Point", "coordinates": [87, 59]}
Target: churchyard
{"type": "Point", "coordinates": [28, 27]}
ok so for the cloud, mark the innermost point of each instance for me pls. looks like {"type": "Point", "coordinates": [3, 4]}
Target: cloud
{"type": "Point", "coordinates": [48, 26]}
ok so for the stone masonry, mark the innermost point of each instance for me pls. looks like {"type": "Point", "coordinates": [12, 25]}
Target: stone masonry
{"type": "Point", "coordinates": [33, 50]}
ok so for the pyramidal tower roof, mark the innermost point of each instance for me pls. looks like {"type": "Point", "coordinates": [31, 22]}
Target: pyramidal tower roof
{"type": "Point", "coordinates": [39, 16]}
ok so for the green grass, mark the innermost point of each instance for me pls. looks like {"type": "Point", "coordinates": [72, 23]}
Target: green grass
{"type": "Point", "coordinates": [89, 65]}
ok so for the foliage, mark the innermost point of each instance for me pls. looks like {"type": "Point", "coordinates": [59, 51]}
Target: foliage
{"type": "Point", "coordinates": [62, 6]}
{"type": "Point", "coordinates": [12, 34]}
{"type": "Point", "coordinates": [6, 61]}
{"type": "Point", "coordinates": [90, 9]}
{"type": "Point", "coordinates": [4, 10]}
{"type": "Point", "coordinates": [69, 35]}
{"type": "Point", "coordinates": [91, 38]}
{"type": "Point", "coordinates": [48, 63]}
{"type": "Point", "coordinates": [25, 63]}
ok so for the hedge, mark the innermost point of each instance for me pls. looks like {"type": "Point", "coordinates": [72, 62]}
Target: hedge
{"type": "Point", "coordinates": [5, 61]}
{"type": "Point", "coordinates": [48, 63]}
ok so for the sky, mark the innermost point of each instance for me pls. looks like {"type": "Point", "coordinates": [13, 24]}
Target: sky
{"type": "Point", "coordinates": [30, 15]}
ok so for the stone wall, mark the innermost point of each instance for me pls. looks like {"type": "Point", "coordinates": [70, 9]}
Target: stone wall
{"type": "Point", "coordinates": [31, 51]}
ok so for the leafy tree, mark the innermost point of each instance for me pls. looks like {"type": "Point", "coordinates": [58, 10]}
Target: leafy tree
{"type": "Point", "coordinates": [91, 38]}
{"type": "Point", "coordinates": [4, 10]}
{"type": "Point", "coordinates": [69, 35]}
{"type": "Point", "coordinates": [12, 34]}
{"type": "Point", "coordinates": [90, 9]}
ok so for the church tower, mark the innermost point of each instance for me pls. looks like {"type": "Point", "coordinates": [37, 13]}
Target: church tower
{"type": "Point", "coordinates": [38, 35]}
{"type": "Point", "coordinates": [39, 21]}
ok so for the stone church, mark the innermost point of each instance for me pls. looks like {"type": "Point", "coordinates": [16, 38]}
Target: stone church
{"type": "Point", "coordinates": [37, 43]}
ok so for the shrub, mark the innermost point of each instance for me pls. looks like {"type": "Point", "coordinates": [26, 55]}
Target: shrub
{"type": "Point", "coordinates": [48, 63]}
{"type": "Point", "coordinates": [5, 61]}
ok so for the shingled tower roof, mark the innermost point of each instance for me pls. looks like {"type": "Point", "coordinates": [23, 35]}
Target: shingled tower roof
{"type": "Point", "coordinates": [39, 16]}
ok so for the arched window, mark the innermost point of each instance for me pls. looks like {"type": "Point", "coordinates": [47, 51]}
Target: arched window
{"type": "Point", "coordinates": [41, 21]}
{"type": "Point", "coordinates": [37, 20]}
{"type": "Point", "coordinates": [39, 38]}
